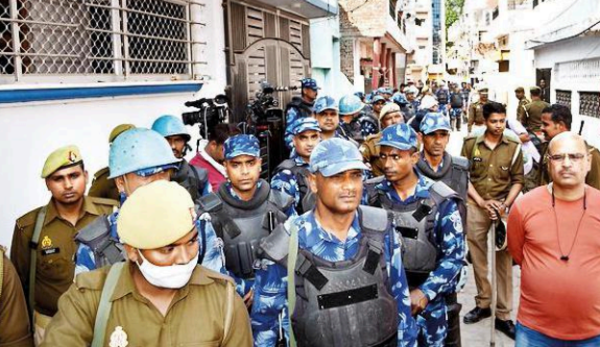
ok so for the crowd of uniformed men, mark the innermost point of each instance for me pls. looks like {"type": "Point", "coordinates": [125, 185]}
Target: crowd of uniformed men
{"type": "Point", "coordinates": [359, 239]}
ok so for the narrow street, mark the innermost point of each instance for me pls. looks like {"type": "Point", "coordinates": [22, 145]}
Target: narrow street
{"type": "Point", "coordinates": [478, 335]}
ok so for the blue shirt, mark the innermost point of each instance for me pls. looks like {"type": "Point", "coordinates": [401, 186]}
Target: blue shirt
{"type": "Point", "coordinates": [269, 311]}
{"type": "Point", "coordinates": [214, 258]}
{"type": "Point", "coordinates": [448, 225]}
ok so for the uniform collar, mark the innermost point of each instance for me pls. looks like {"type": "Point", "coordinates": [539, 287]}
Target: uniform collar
{"type": "Point", "coordinates": [481, 138]}
{"type": "Point", "coordinates": [317, 234]}
{"type": "Point", "coordinates": [126, 286]}
{"type": "Point", "coordinates": [299, 161]}
{"type": "Point", "coordinates": [421, 191]}
{"type": "Point", "coordinates": [88, 207]}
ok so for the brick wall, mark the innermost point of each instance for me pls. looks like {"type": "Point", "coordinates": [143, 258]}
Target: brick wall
{"type": "Point", "coordinates": [347, 57]}
{"type": "Point", "coordinates": [363, 17]}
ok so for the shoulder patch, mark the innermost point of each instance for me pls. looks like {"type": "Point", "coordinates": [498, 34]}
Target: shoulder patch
{"type": "Point", "coordinates": [93, 280]}
{"type": "Point", "coordinates": [28, 219]}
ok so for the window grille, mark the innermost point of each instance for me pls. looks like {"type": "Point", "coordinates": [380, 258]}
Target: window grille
{"type": "Point", "coordinates": [589, 104]}
{"type": "Point", "coordinates": [563, 97]}
{"type": "Point", "coordinates": [96, 37]}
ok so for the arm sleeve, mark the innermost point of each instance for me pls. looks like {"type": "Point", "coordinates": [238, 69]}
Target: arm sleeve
{"type": "Point", "coordinates": [517, 170]}
{"type": "Point", "coordinates": [449, 226]}
{"type": "Point", "coordinates": [14, 320]}
{"type": "Point", "coordinates": [73, 324]}
{"type": "Point", "coordinates": [20, 256]}
{"type": "Point", "coordinates": [240, 333]}
{"type": "Point", "coordinates": [84, 259]}
{"type": "Point", "coordinates": [407, 331]}
{"type": "Point", "coordinates": [270, 302]}
{"type": "Point", "coordinates": [593, 177]}
{"type": "Point", "coordinates": [471, 115]}
{"type": "Point", "coordinates": [516, 234]}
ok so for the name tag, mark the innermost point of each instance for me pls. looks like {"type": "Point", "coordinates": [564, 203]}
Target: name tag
{"type": "Point", "coordinates": [50, 251]}
{"type": "Point", "coordinates": [477, 159]}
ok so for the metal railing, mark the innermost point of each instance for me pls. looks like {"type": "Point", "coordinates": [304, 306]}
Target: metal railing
{"type": "Point", "coordinates": [96, 37]}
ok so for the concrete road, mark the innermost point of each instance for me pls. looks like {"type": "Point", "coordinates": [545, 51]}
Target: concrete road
{"type": "Point", "coordinates": [478, 335]}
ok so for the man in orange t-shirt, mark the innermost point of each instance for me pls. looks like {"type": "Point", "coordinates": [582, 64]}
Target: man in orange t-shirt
{"type": "Point", "coordinates": [559, 257]}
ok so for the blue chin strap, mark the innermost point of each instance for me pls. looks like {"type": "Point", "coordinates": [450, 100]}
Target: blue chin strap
{"type": "Point", "coordinates": [122, 198]}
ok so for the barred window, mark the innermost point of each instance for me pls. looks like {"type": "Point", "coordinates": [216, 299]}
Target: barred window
{"type": "Point", "coordinates": [589, 104]}
{"type": "Point", "coordinates": [95, 37]}
{"type": "Point", "coordinates": [563, 97]}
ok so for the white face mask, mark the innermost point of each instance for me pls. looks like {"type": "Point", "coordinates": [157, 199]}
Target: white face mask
{"type": "Point", "coordinates": [172, 277]}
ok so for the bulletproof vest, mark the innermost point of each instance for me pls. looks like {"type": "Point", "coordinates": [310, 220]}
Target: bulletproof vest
{"type": "Point", "coordinates": [416, 225]}
{"type": "Point", "coordinates": [193, 179]}
{"type": "Point", "coordinates": [352, 130]}
{"type": "Point", "coordinates": [346, 303]}
{"type": "Point", "coordinates": [456, 100]}
{"type": "Point", "coordinates": [456, 175]}
{"type": "Point", "coordinates": [301, 106]}
{"type": "Point", "coordinates": [97, 236]}
{"type": "Point", "coordinates": [307, 197]}
{"type": "Point", "coordinates": [408, 111]}
{"type": "Point", "coordinates": [242, 224]}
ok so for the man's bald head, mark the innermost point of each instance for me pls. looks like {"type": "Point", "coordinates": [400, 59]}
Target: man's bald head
{"type": "Point", "coordinates": [569, 160]}
{"type": "Point", "coordinates": [567, 137]}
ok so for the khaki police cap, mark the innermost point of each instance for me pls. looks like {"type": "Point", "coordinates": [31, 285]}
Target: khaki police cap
{"type": "Point", "coordinates": [535, 89]}
{"type": "Point", "coordinates": [118, 130]}
{"type": "Point", "coordinates": [483, 90]}
{"type": "Point", "coordinates": [520, 90]}
{"type": "Point", "coordinates": [156, 215]}
{"type": "Point", "coordinates": [61, 158]}
{"type": "Point", "coordinates": [390, 107]}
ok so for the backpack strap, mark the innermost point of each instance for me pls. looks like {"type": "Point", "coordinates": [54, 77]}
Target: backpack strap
{"type": "Point", "coordinates": [105, 304]}
{"type": "Point", "coordinates": [35, 238]}
{"type": "Point", "coordinates": [291, 287]}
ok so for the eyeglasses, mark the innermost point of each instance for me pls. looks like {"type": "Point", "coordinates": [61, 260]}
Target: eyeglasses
{"type": "Point", "coordinates": [559, 158]}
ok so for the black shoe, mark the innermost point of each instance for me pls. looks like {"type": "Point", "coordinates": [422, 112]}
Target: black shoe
{"type": "Point", "coordinates": [477, 314]}
{"type": "Point", "coordinates": [505, 326]}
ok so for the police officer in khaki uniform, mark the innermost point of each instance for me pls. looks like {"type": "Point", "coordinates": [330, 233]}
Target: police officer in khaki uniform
{"type": "Point", "coordinates": [476, 110]}
{"type": "Point", "coordinates": [533, 112]}
{"type": "Point", "coordinates": [520, 95]}
{"type": "Point", "coordinates": [390, 114]}
{"type": "Point", "coordinates": [159, 296]}
{"type": "Point", "coordinates": [43, 243]}
{"type": "Point", "coordinates": [14, 321]}
{"type": "Point", "coordinates": [102, 187]}
{"type": "Point", "coordinates": [496, 168]}
{"type": "Point", "coordinates": [557, 119]}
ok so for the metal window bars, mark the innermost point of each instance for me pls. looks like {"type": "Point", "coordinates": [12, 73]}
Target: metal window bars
{"type": "Point", "coordinates": [98, 37]}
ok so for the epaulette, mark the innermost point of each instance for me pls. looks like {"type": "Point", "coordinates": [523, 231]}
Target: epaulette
{"type": "Point", "coordinates": [469, 138]}
{"type": "Point", "coordinates": [103, 201]}
{"type": "Point", "coordinates": [92, 280]}
{"type": "Point", "coordinates": [27, 219]}
{"type": "Point", "coordinates": [101, 172]}
{"type": "Point", "coordinates": [217, 277]}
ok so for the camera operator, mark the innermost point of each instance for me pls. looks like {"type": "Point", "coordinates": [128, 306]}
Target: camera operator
{"type": "Point", "coordinates": [210, 154]}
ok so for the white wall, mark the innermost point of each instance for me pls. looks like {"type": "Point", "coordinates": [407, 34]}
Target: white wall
{"type": "Point", "coordinates": [30, 132]}
{"type": "Point", "coordinates": [588, 80]}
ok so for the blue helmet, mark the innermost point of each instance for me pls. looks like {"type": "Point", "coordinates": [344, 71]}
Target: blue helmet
{"type": "Point", "coordinates": [399, 98]}
{"type": "Point", "coordinates": [350, 104]}
{"type": "Point", "coordinates": [168, 125]}
{"type": "Point", "coordinates": [139, 150]}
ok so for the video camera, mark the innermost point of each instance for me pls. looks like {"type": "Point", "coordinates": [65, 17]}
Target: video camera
{"type": "Point", "coordinates": [211, 112]}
